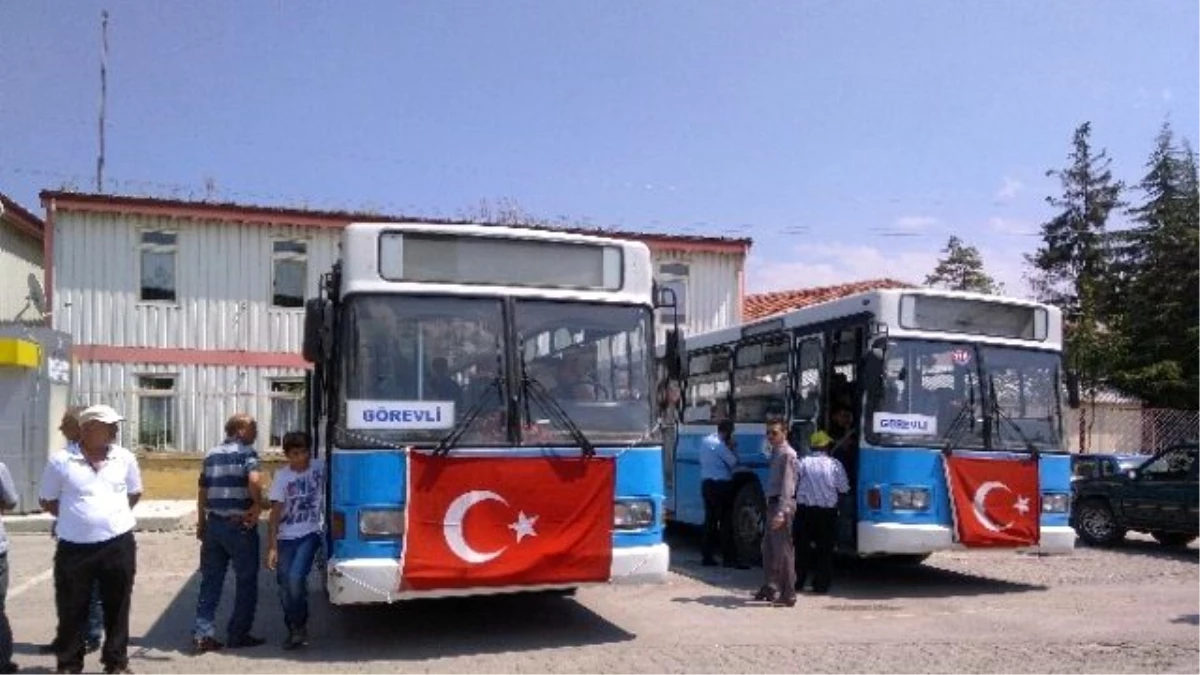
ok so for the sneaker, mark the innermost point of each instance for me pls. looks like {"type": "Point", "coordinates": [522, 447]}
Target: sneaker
{"type": "Point", "coordinates": [205, 644]}
{"type": "Point", "coordinates": [244, 642]}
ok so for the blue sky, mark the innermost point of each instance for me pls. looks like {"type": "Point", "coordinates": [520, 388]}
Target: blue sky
{"type": "Point", "coordinates": [849, 139]}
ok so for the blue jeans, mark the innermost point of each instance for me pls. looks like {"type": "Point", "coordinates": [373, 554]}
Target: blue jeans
{"type": "Point", "coordinates": [295, 562]}
{"type": "Point", "coordinates": [227, 541]}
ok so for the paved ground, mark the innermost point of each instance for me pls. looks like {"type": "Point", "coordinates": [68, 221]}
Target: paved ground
{"type": "Point", "coordinates": [1133, 609]}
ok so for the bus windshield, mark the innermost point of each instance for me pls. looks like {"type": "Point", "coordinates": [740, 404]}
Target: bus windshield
{"type": "Point", "coordinates": [432, 358]}
{"type": "Point", "coordinates": [938, 392]}
{"type": "Point", "coordinates": [595, 362]}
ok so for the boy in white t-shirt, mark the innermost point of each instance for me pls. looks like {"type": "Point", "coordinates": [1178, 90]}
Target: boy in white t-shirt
{"type": "Point", "coordinates": [297, 496]}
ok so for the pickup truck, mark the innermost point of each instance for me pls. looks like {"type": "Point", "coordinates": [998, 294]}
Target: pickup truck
{"type": "Point", "coordinates": [1158, 497]}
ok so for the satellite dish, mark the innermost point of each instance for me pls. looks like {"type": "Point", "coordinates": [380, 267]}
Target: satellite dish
{"type": "Point", "coordinates": [37, 297]}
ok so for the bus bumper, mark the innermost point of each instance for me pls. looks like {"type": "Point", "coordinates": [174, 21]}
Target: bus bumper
{"type": "Point", "coordinates": [887, 538]}
{"type": "Point", "coordinates": [360, 581]}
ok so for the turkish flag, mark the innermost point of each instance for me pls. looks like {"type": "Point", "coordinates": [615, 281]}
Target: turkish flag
{"type": "Point", "coordinates": [507, 521]}
{"type": "Point", "coordinates": [996, 502]}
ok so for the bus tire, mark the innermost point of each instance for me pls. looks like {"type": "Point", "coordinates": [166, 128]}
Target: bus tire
{"type": "Point", "coordinates": [907, 558]}
{"type": "Point", "coordinates": [749, 514]}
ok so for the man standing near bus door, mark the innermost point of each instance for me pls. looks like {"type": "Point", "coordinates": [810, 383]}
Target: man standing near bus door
{"type": "Point", "coordinates": [717, 460]}
{"type": "Point", "coordinates": [821, 478]}
{"type": "Point", "coordinates": [779, 570]}
{"type": "Point", "coordinates": [228, 507]}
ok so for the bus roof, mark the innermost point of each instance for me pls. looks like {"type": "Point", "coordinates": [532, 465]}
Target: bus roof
{"type": "Point", "coordinates": [884, 301]}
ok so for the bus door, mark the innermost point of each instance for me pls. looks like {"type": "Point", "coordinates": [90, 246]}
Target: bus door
{"type": "Point", "coordinates": [807, 388]}
{"type": "Point", "coordinates": [842, 414]}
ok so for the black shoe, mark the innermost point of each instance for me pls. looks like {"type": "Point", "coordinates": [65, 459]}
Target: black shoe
{"type": "Point", "coordinates": [790, 602]}
{"type": "Point", "coordinates": [92, 646]}
{"type": "Point", "coordinates": [244, 642]}
{"type": "Point", "coordinates": [48, 649]}
{"type": "Point", "coordinates": [118, 670]}
{"type": "Point", "coordinates": [202, 645]}
{"type": "Point", "coordinates": [66, 669]}
{"type": "Point", "coordinates": [820, 591]}
{"type": "Point", "coordinates": [765, 594]}
{"type": "Point", "coordinates": [8, 668]}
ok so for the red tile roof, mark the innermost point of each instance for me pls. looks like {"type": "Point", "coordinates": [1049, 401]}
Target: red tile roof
{"type": "Point", "coordinates": [760, 305]}
{"type": "Point", "coordinates": [80, 201]}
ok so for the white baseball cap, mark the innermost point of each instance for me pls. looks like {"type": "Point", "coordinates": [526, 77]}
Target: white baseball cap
{"type": "Point", "coordinates": [100, 413]}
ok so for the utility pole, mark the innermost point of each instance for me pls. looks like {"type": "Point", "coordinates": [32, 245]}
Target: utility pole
{"type": "Point", "coordinates": [103, 96]}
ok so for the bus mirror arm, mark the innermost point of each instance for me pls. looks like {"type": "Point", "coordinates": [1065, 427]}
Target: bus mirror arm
{"type": "Point", "coordinates": [873, 369]}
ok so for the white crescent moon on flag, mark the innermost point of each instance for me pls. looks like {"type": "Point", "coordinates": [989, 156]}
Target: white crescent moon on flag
{"type": "Point", "coordinates": [452, 525]}
{"type": "Point", "coordinates": [980, 497]}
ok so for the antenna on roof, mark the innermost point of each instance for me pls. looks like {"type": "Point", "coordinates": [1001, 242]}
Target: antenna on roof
{"type": "Point", "coordinates": [103, 96]}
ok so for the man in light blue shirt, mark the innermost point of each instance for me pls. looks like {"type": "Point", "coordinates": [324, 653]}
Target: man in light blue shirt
{"type": "Point", "coordinates": [717, 461]}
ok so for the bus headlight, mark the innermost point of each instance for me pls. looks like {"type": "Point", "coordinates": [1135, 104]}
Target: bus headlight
{"type": "Point", "coordinates": [633, 514]}
{"type": "Point", "coordinates": [381, 523]}
{"type": "Point", "coordinates": [1056, 502]}
{"type": "Point", "coordinates": [910, 499]}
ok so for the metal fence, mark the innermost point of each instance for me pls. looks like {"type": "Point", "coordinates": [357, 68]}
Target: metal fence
{"type": "Point", "coordinates": [175, 421]}
{"type": "Point", "coordinates": [1128, 429]}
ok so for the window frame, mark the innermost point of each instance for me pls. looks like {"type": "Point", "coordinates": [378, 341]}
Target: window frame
{"type": "Point", "coordinates": [152, 247]}
{"type": "Point", "coordinates": [289, 256]}
{"type": "Point", "coordinates": [677, 273]}
{"type": "Point", "coordinates": [143, 393]}
{"type": "Point", "coordinates": [274, 395]}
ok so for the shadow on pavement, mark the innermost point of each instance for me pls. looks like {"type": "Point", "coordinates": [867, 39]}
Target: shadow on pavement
{"type": "Point", "coordinates": [1150, 548]}
{"type": "Point", "coordinates": [411, 630]}
{"type": "Point", "coordinates": [853, 578]}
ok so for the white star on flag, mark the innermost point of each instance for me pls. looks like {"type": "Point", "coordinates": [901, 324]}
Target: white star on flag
{"type": "Point", "coordinates": [524, 526]}
{"type": "Point", "coordinates": [1022, 505]}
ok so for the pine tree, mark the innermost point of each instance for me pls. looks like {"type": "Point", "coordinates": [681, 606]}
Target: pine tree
{"type": "Point", "coordinates": [1159, 299]}
{"type": "Point", "coordinates": [961, 269]}
{"type": "Point", "coordinates": [1072, 267]}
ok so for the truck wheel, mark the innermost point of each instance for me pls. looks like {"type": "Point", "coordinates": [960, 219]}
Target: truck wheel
{"type": "Point", "coordinates": [749, 514]}
{"type": "Point", "coordinates": [1173, 538]}
{"type": "Point", "coordinates": [1096, 525]}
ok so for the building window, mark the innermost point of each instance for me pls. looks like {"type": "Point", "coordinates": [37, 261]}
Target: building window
{"type": "Point", "coordinates": [675, 277]}
{"type": "Point", "coordinates": [158, 266]}
{"type": "Point", "coordinates": [156, 412]}
{"type": "Point", "coordinates": [290, 272]}
{"type": "Point", "coordinates": [287, 409]}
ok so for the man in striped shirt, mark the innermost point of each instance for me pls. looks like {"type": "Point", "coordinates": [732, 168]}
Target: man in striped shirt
{"type": "Point", "coordinates": [820, 478]}
{"type": "Point", "coordinates": [228, 508]}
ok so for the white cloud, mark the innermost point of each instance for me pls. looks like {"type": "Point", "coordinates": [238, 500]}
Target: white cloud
{"type": "Point", "coordinates": [1009, 190]}
{"type": "Point", "coordinates": [1167, 96]}
{"type": "Point", "coordinates": [914, 223]}
{"type": "Point", "coordinates": [1012, 226]}
{"type": "Point", "coordinates": [829, 264]}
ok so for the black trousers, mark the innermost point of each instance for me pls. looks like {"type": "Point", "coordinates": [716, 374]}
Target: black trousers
{"type": "Point", "coordinates": [718, 520]}
{"type": "Point", "coordinates": [112, 565]}
{"type": "Point", "coordinates": [815, 533]}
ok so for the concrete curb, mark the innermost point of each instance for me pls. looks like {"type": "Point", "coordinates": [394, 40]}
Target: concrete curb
{"type": "Point", "coordinates": [153, 515]}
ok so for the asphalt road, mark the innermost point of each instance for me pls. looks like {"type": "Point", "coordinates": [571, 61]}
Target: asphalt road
{"type": "Point", "coordinates": [1131, 609]}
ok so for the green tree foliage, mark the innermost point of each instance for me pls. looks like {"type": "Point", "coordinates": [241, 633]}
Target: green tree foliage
{"type": "Point", "coordinates": [1157, 303]}
{"type": "Point", "coordinates": [1071, 269]}
{"type": "Point", "coordinates": [961, 269]}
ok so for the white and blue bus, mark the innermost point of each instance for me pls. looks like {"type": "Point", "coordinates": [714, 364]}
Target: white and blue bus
{"type": "Point", "coordinates": [899, 378]}
{"type": "Point", "coordinates": [459, 323]}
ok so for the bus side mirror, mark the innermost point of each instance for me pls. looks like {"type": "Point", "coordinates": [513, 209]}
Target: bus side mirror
{"type": "Point", "coordinates": [664, 297]}
{"type": "Point", "coordinates": [1072, 379]}
{"type": "Point", "coordinates": [873, 368]}
{"type": "Point", "coordinates": [673, 356]}
{"type": "Point", "coordinates": [318, 326]}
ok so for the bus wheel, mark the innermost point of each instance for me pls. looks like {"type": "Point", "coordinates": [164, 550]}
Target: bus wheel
{"type": "Point", "coordinates": [907, 558]}
{"type": "Point", "coordinates": [749, 512]}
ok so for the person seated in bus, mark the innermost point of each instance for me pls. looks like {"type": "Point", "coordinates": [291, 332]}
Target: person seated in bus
{"type": "Point", "coordinates": [441, 386]}
{"type": "Point", "coordinates": [570, 383]}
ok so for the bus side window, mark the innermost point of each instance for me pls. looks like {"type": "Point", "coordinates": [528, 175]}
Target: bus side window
{"type": "Point", "coordinates": [760, 380]}
{"type": "Point", "coordinates": [707, 389]}
{"type": "Point", "coordinates": [808, 379]}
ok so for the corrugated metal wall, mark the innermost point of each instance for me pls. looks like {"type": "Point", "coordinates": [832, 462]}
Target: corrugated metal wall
{"type": "Point", "coordinates": [222, 281]}
{"type": "Point", "coordinates": [20, 255]}
{"type": "Point", "coordinates": [713, 291]}
{"type": "Point", "coordinates": [204, 397]}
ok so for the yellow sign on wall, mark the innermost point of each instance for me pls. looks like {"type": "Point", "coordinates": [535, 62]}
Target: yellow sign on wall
{"type": "Point", "coordinates": [19, 353]}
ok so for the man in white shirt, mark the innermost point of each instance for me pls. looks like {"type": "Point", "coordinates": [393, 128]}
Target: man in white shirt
{"type": "Point", "coordinates": [92, 495]}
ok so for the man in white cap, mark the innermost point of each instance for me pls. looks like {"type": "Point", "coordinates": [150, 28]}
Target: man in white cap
{"type": "Point", "coordinates": [92, 493]}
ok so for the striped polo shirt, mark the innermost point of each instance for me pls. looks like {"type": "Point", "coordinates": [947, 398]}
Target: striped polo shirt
{"type": "Point", "coordinates": [225, 478]}
{"type": "Point", "coordinates": [820, 479]}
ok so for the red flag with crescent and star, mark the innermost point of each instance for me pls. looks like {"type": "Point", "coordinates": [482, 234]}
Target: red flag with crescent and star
{"type": "Point", "coordinates": [507, 521]}
{"type": "Point", "coordinates": [996, 502]}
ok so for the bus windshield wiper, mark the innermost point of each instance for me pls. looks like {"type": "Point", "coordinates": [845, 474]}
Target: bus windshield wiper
{"type": "Point", "coordinates": [1003, 416]}
{"type": "Point", "coordinates": [451, 439]}
{"type": "Point", "coordinates": [954, 431]}
{"type": "Point", "coordinates": [534, 390]}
